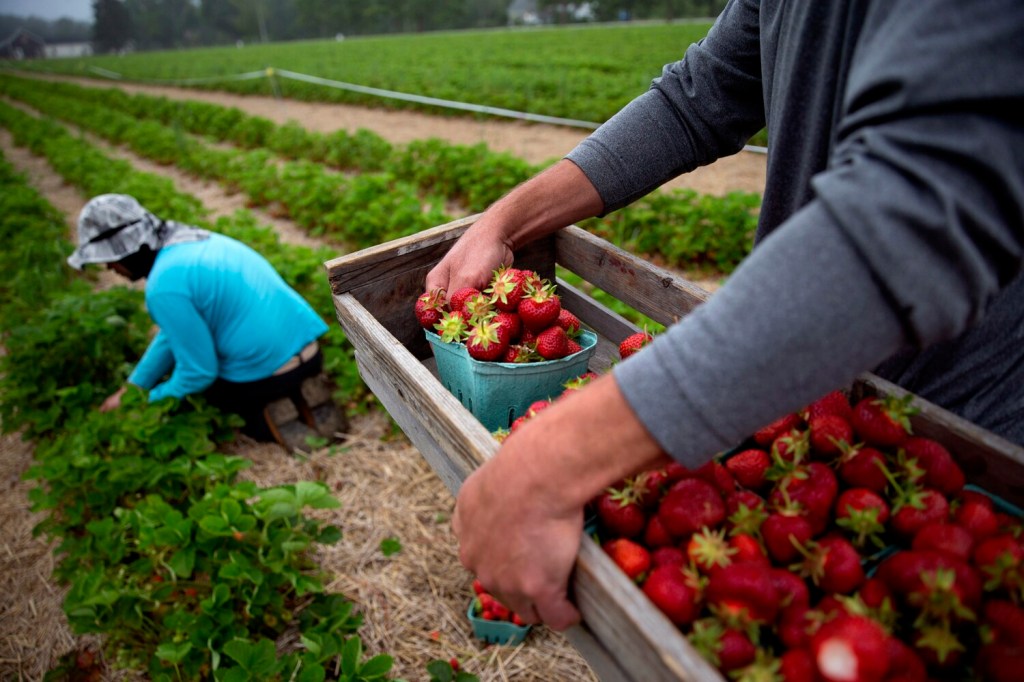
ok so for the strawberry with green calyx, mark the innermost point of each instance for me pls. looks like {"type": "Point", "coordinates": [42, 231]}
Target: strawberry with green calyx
{"type": "Point", "coordinates": [862, 466]}
{"type": "Point", "coordinates": [789, 450]}
{"type": "Point", "coordinates": [519, 353]}
{"type": "Point", "coordinates": [552, 343]}
{"type": "Point", "coordinates": [580, 381]}
{"type": "Point", "coordinates": [833, 564]}
{"type": "Point", "coordinates": [789, 587]}
{"type": "Point", "coordinates": [429, 308]}
{"type": "Point", "coordinates": [883, 422]}
{"type": "Point", "coordinates": [749, 467]}
{"type": "Point", "coordinates": [633, 343]}
{"type": "Point", "coordinates": [862, 513]}
{"type": "Point", "coordinates": [933, 583]}
{"type": "Point", "coordinates": [725, 648]}
{"type": "Point", "coordinates": [478, 308]}
{"type": "Point", "coordinates": [507, 288]}
{"type": "Point", "coordinates": [570, 323]}
{"type": "Point", "coordinates": [747, 548]}
{"type": "Point", "coordinates": [913, 507]}
{"type": "Point", "coordinates": [458, 299]}
{"type": "Point", "coordinates": [452, 327]}
{"type": "Point", "coordinates": [540, 307]}
{"type": "Point", "coordinates": [764, 668]}
{"type": "Point", "coordinates": [650, 486]}
{"type": "Point", "coordinates": [939, 470]}
{"type": "Point", "coordinates": [572, 347]}
{"type": "Point", "coordinates": [851, 649]}
{"type": "Point", "coordinates": [746, 512]}
{"type": "Point", "coordinates": [785, 531]}
{"type": "Point", "coordinates": [484, 343]}
{"type": "Point", "coordinates": [814, 487]}
{"type": "Point", "coordinates": [975, 513]}
{"type": "Point", "coordinates": [708, 548]}
{"type": "Point", "coordinates": [632, 558]}
{"type": "Point", "coordinates": [689, 505]}
{"type": "Point", "coordinates": [797, 665]}
{"type": "Point", "coordinates": [620, 512]}
{"type": "Point", "coordinates": [947, 538]}
{"type": "Point", "coordinates": [939, 647]}
{"type": "Point", "coordinates": [1000, 559]}
{"type": "Point", "coordinates": [767, 434]}
{"type": "Point", "coordinates": [500, 434]}
{"type": "Point", "coordinates": [828, 434]}
{"type": "Point", "coordinates": [674, 593]}
{"type": "Point", "coordinates": [509, 326]}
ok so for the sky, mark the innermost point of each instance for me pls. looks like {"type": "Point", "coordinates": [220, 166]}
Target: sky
{"type": "Point", "coordinates": [80, 10]}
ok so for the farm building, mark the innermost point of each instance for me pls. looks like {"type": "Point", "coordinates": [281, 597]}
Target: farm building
{"type": "Point", "coordinates": [23, 44]}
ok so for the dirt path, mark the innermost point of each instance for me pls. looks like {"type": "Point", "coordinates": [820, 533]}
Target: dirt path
{"type": "Point", "coordinates": [536, 143]}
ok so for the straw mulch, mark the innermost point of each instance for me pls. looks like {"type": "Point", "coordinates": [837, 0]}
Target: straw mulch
{"type": "Point", "coordinates": [413, 602]}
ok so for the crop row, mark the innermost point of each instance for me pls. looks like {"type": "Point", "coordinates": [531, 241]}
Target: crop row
{"type": "Point", "coordinates": [184, 570]}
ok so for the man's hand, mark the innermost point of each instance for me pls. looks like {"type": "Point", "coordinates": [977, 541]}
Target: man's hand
{"type": "Point", "coordinates": [519, 517]}
{"type": "Point", "coordinates": [473, 258]}
{"type": "Point", "coordinates": [113, 401]}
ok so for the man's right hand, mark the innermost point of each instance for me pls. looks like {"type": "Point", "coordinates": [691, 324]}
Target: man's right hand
{"type": "Point", "coordinates": [473, 259]}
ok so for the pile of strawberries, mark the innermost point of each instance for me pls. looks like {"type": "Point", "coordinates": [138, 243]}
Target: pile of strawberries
{"type": "Point", "coordinates": [833, 545]}
{"type": "Point", "coordinates": [485, 606]}
{"type": "Point", "coordinates": [517, 318]}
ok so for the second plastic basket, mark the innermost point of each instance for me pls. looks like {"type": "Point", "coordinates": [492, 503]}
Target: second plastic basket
{"type": "Point", "coordinates": [499, 392]}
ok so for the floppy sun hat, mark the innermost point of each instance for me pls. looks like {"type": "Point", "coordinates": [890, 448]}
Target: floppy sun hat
{"type": "Point", "coordinates": [113, 226]}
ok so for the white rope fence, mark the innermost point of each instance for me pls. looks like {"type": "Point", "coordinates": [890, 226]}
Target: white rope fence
{"type": "Point", "coordinates": [271, 72]}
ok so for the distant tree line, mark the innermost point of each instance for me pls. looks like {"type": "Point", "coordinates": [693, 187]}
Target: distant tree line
{"type": "Point", "coordinates": [162, 24]}
{"type": "Point", "coordinates": [57, 31]}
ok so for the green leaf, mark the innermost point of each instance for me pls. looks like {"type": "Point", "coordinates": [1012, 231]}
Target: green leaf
{"type": "Point", "coordinates": [390, 546]}
{"type": "Point", "coordinates": [182, 562]}
{"type": "Point", "coordinates": [440, 671]}
{"type": "Point", "coordinates": [173, 652]}
{"type": "Point", "coordinates": [376, 667]}
{"type": "Point", "coordinates": [259, 658]}
{"type": "Point", "coordinates": [350, 655]}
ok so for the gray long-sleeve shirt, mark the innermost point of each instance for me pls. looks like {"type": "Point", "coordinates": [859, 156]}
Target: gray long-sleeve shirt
{"type": "Point", "coordinates": [891, 235]}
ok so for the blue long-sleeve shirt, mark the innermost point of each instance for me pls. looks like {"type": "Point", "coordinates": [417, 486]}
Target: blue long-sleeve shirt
{"type": "Point", "coordinates": [223, 311]}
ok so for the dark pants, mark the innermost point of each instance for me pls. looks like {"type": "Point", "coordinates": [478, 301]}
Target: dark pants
{"type": "Point", "coordinates": [249, 399]}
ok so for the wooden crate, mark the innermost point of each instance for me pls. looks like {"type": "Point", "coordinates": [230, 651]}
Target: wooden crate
{"type": "Point", "coordinates": [623, 636]}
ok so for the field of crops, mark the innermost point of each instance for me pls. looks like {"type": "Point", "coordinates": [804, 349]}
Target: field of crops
{"type": "Point", "coordinates": [184, 569]}
{"type": "Point", "coordinates": [580, 73]}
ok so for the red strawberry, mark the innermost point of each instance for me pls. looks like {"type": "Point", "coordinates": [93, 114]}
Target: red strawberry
{"type": "Point", "coordinates": [506, 289]}
{"type": "Point", "coordinates": [1000, 558]}
{"type": "Point", "coordinates": [797, 665]}
{"type": "Point", "coordinates": [937, 583]}
{"type": "Point", "coordinates": [459, 298]}
{"type": "Point", "coordinates": [742, 592]}
{"type": "Point", "coordinates": [708, 548]}
{"type": "Point", "coordinates": [669, 589]}
{"type": "Point", "coordinates": [689, 505]}
{"type": "Point", "coordinates": [477, 307]}
{"type": "Point", "coordinates": [904, 663]}
{"type": "Point", "coordinates": [915, 508]}
{"type": "Point", "coordinates": [862, 466]}
{"type": "Point", "coordinates": [835, 403]}
{"type": "Point", "coordinates": [748, 467]}
{"type": "Point", "coordinates": [947, 538]}
{"type": "Point", "coordinates": [539, 309]}
{"type": "Point", "coordinates": [941, 471]}
{"type": "Point", "coordinates": [631, 557]}
{"type": "Point", "coordinates": [655, 534]}
{"type": "Point", "coordinates": [814, 487]}
{"type": "Point", "coordinates": [1001, 662]}
{"type": "Point", "coordinates": [569, 322]}
{"type": "Point", "coordinates": [883, 422]}
{"type": "Point", "coordinates": [734, 501]}
{"type": "Point", "coordinates": [715, 473]}
{"type": "Point", "coordinates": [791, 590]}
{"type": "Point", "coordinates": [834, 565]}
{"type": "Point", "coordinates": [939, 647]}
{"type": "Point", "coordinates": [828, 434]}
{"type": "Point", "coordinates": [862, 513]}
{"type": "Point", "coordinates": [795, 625]}
{"type": "Point", "coordinates": [767, 434]}
{"type": "Point", "coordinates": [509, 326]}
{"type": "Point", "coordinates": [484, 343]}
{"type": "Point", "coordinates": [572, 347]}
{"type": "Point", "coordinates": [552, 343]}
{"type": "Point", "coordinates": [452, 327]}
{"type": "Point", "coordinates": [650, 486]}
{"type": "Point", "coordinates": [851, 649]}
{"type": "Point", "coordinates": [1005, 621]}
{"type": "Point", "coordinates": [784, 533]}
{"type": "Point", "coordinates": [735, 650]}
{"type": "Point", "coordinates": [634, 342]}
{"type": "Point", "coordinates": [620, 513]}
{"type": "Point", "coordinates": [669, 555]}
{"type": "Point", "coordinates": [747, 548]}
{"type": "Point", "coordinates": [874, 593]}
{"type": "Point", "coordinates": [977, 516]}
{"type": "Point", "coordinates": [429, 308]}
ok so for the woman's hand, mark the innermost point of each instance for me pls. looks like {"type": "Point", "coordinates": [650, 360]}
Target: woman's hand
{"type": "Point", "coordinates": [113, 401]}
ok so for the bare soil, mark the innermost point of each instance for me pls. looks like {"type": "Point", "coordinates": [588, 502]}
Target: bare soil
{"type": "Point", "coordinates": [414, 603]}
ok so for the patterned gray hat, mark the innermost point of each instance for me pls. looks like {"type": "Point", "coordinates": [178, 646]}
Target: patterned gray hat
{"type": "Point", "coordinates": [112, 226]}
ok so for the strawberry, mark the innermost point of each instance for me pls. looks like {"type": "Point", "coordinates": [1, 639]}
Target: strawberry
{"type": "Point", "coordinates": [767, 434]}
{"type": "Point", "coordinates": [874, 593]}
{"type": "Point", "coordinates": [509, 326]}
{"type": "Point", "coordinates": [1005, 621]}
{"type": "Point", "coordinates": [851, 649]}
{"type": "Point", "coordinates": [452, 327]}
{"type": "Point", "coordinates": [835, 403]}
{"type": "Point", "coordinates": [796, 624]}
{"type": "Point", "coordinates": [790, 589]}
{"type": "Point", "coordinates": [484, 343]}
{"type": "Point", "coordinates": [572, 347]}
{"type": "Point", "coordinates": [634, 342]}
{"type": "Point", "coordinates": [941, 471]}
{"type": "Point", "coordinates": [708, 548]}
{"type": "Point", "coordinates": [740, 593]}
{"type": "Point", "coordinates": [668, 556]}
{"type": "Point", "coordinates": [935, 583]}
{"type": "Point", "coordinates": [883, 422]}
{"type": "Point", "coordinates": [655, 534]}
{"type": "Point", "coordinates": [791, 448]}
{"type": "Point", "coordinates": [915, 508]}
{"type": "Point", "coordinates": [862, 513]}
{"type": "Point", "coordinates": [797, 665]}
{"type": "Point", "coordinates": [999, 662]}
{"type": "Point", "coordinates": [650, 486]}
{"type": "Point", "coordinates": [429, 307]}
{"type": "Point", "coordinates": [1000, 558]}
{"type": "Point", "coordinates": [670, 590]}
{"type": "Point", "coordinates": [689, 505]}
{"type": "Point", "coordinates": [458, 299]}
{"type": "Point", "coordinates": [747, 548]}
{"type": "Point", "coordinates": [633, 558]}
{"type": "Point", "coordinates": [620, 513]}
{"type": "Point", "coordinates": [784, 532]}
{"type": "Point", "coordinates": [552, 343]}
{"type": "Point", "coordinates": [540, 307]}
{"type": "Point", "coordinates": [477, 308]}
{"type": "Point", "coordinates": [748, 467]}
{"type": "Point", "coordinates": [834, 565]}
{"type": "Point", "coordinates": [569, 322]}
{"type": "Point", "coordinates": [977, 516]}
{"type": "Point", "coordinates": [735, 650]}
{"type": "Point", "coordinates": [939, 647]}
{"type": "Point", "coordinates": [828, 434]}
{"type": "Point", "coordinates": [947, 538]}
{"type": "Point", "coordinates": [904, 663]}
{"type": "Point", "coordinates": [507, 288]}
{"type": "Point", "coordinates": [814, 487]}
{"type": "Point", "coordinates": [862, 466]}
{"type": "Point", "coordinates": [715, 473]}
{"type": "Point", "coordinates": [518, 354]}
{"type": "Point", "coordinates": [739, 499]}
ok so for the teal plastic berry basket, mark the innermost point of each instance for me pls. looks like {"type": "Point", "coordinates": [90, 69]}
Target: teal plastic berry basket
{"type": "Point", "coordinates": [497, 631]}
{"type": "Point", "coordinates": [499, 392]}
